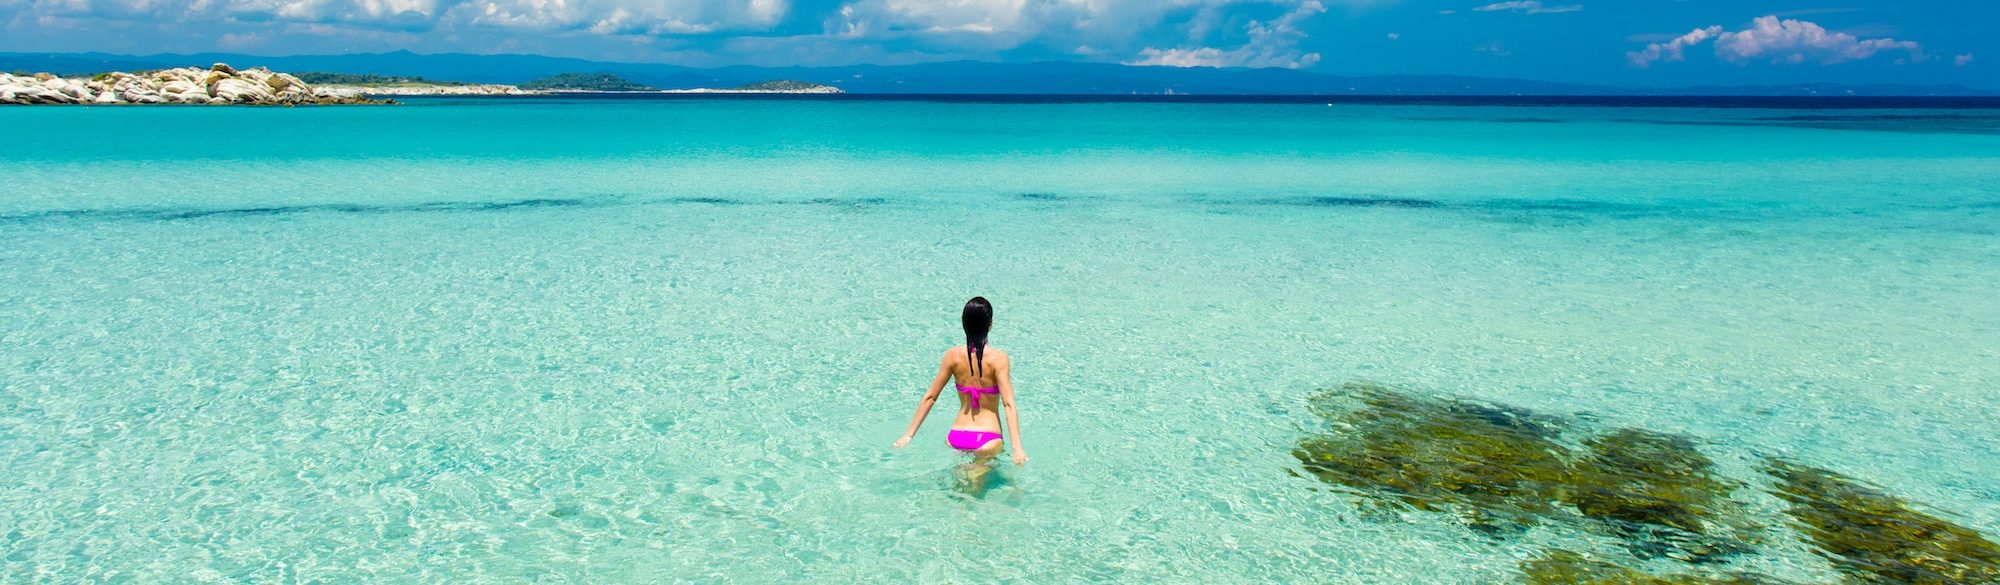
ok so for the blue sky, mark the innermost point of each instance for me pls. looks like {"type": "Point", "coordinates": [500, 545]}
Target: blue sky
{"type": "Point", "coordinates": [1635, 42]}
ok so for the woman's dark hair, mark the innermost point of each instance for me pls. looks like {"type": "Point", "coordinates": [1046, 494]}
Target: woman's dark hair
{"type": "Point", "coordinates": [978, 319]}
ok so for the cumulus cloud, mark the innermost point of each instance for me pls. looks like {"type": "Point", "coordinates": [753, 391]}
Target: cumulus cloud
{"type": "Point", "coordinates": [1529, 7]}
{"type": "Point", "coordinates": [659, 17]}
{"type": "Point", "coordinates": [616, 17]}
{"type": "Point", "coordinates": [1798, 41]}
{"type": "Point", "coordinates": [1272, 43]}
{"type": "Point", "coordinates": [1962, 60]}
{"type": "Point", "coordinates": [1253, 33]}
{"type": "Point", "coordinates": [1777, 40]}
{"type": "Point", "coordinates": [1673, 50]}
{"type": "Point", "coordinates": [979, 17]}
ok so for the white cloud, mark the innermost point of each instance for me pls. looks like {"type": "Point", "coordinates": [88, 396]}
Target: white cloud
{"type": "Point", "coordinates": [1395, 36]}
{"type": "Point", "coordinates": [1111, 26]}
{"type": "Point", "coordinates": [1254, 33]}
{"type": "Point", "coordinates": [1529, 7]}
{"type": "Point", "coordinates": [614, 17]}
{"type": "Point", "coordinates": [1672, 50]}
{"type": "Point", "coordinates": [1778, 40]}
{"type": "Point", "coordinates": [1798, 41]}
{"type": "Point", "coordinates": [1271, 43]}
{"type": "Point", "coordinates": [236, 41]}
{"type": "Point", "coordinates": [1962, 60]}
{"type": "Point", "coordinates": [980, 17]}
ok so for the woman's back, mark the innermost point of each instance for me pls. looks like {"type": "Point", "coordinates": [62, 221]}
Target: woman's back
{"type": "Point", "coordinates": [987, 362]}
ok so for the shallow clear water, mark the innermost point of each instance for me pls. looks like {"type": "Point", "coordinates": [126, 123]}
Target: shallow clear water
{"type": "Point", "coordinates": [671, 340]}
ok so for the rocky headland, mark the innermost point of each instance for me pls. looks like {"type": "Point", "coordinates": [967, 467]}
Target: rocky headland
{"type": "Point", "coordinates": [219, 84]}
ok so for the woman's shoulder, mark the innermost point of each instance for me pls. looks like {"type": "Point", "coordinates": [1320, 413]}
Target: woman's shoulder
{"type": "Point", "coordinates": [958, 352]}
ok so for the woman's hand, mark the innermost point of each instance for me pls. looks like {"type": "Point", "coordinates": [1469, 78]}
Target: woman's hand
{"type": "Point", "coordinates": [1020, 457]}
{"type": "Point", "coordinates": [901, 442]}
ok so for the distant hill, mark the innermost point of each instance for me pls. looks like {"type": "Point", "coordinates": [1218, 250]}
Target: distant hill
{"type": "Point", "coordinates": [784, 85]}
{"type": "Point", "coordinates": [963, 77]}
{"type": "Point", "coordinates": [369, 79]}
{"type": "Point", "coordinates": [584, 82]}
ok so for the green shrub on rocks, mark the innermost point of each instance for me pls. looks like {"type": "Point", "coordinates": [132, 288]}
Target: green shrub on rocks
{"type": "Point", "coordinates": [1876, 538]}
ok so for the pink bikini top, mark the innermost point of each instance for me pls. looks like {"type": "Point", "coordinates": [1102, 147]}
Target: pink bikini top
{"type": "Point", "coordinates": [972, 393]}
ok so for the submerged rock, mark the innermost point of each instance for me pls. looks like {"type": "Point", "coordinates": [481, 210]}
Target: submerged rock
{"type": "Point", "coordinates": [1653, 486]}
{"type": "Point", "coordinates": [1502, 468]}
{"type": "Point", "coordinates": [1875, 537]}
{"type": "Point", "coordinates": [1561, 567]}
{"type": "Point", "coordinates": [1499, 468]}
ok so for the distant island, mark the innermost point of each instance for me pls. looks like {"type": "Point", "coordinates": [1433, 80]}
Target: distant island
{"type": "Point", "coordinates": [779, 86]}
{"type": "Point", "coordinates": [584, 82]}
{"type": "Point", "coordinates": [609, 82]}
{"type": "Point", "coordinates": [371, 80]}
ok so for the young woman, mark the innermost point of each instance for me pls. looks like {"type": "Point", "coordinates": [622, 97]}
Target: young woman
{"type": "Point", "coordinates": [981, 374]}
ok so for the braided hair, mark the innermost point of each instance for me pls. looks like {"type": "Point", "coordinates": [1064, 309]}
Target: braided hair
{"type": "Point", "coordinates": [978, 319]}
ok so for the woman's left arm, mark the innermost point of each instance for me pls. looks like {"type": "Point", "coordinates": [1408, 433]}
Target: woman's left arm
{"type": "Point", "coordinates": [930, 399]}
{"type": "Point", "coordinates": [1006, 376]}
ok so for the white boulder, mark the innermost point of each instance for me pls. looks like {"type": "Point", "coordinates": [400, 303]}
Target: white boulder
{"type": "Point", "coordinates": [242, 91]}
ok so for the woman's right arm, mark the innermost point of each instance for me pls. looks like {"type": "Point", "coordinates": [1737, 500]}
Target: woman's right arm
{"type": "Point", "coordinates": [930, 399]}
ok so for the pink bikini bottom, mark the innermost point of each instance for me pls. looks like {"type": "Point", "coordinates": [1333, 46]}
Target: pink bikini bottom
{"type": "Point", "coordinates": [970, 440]}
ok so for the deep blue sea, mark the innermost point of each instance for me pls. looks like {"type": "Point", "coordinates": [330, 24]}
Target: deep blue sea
{"type": "Point", "coordinates": [595, 340]}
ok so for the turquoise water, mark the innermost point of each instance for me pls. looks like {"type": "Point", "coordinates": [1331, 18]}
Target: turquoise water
{"type": "Point", "coordinates": [671, 340]}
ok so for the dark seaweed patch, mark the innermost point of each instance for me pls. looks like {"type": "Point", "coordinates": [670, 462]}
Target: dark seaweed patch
{"type": "Point", "coordinates": [1878, 538]}
{"type": "Point", "coordinates": [1400, 202]}
{"type": "Point", "coordinates": [505, 205]}
{"type": "Point", "coordinates": [1877, 118]}
{"type": "Point", "coordinates": [173, 214]}
{"type": "Point", "coordinates": [1577, 206]}
{"type": "Point", "coordinates": [1487, 120]}
{"type": "Point", "coordinates": [1352, 201]}
{"type": "Point", "coordinates": [839, 202]}
{"type": "Point", "coordinates": [1912, 124]}
{"type": "Point", "coordinates": [1503, 470]}
{"type": "Point", "coordinates": [176, 214]}
{"type": "Point", "coordinates": [706, 200]}
{"type": "Point", "coordinates": [1497, 473]}
{"type": "Point", "coordinates": [1561, 567]}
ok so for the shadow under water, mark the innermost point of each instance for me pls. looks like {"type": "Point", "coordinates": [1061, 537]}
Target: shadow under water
{"type": "Point", "coordinates": [1504, 470]}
